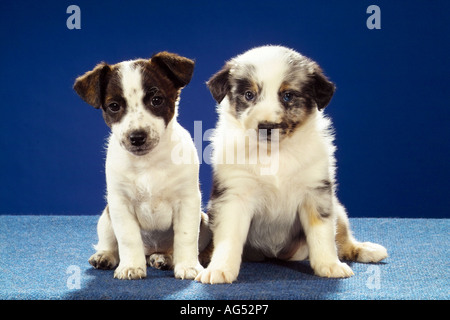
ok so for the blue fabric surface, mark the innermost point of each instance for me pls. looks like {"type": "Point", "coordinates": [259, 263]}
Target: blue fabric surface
{"type": "Point", "coordinates": [45, 257]}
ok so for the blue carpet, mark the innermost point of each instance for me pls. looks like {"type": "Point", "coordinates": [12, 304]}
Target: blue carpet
{"type": "Point", "coordinates": [45, 257]}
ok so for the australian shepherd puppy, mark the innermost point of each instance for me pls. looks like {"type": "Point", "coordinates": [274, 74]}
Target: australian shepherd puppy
{"type": "Point", "coordinates": [274, 169]}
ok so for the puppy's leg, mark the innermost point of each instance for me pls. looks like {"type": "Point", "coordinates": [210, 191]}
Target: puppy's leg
{"type": "Point", "coordinates": [205, 245]}
{"type": "Point", "coordinates": [107, 255]}
{"type": "Point", "coordinates": [186, 226]}
{"type": "Point", "coordinates": [348, 247]}
{"type": "Point", "coordinates": [318, 222]}
{"type": "Point", "coordinates": [162, 261]}
{"type": "Point", "coordinates": [131, 248]}
{"type": "Point", "coordinates": [230, 229]}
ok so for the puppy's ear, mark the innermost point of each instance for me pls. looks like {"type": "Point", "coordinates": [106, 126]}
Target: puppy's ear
{"type": "Point", "coordinates": [322, 89]}
{"type": "Point", "coordinates": [91, 86]}
{"type": "Point", "coordinates": [219, 84]}
{"type": "Point", "coordinates": [179, 69]}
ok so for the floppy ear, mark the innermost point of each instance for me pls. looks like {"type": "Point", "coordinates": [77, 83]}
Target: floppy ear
{"type": "Point", "coordinates": [322, 89]}
{"type": "Point", "coordinates": [219, 83]}
{"type": "Point", "coordinates": [91, 86]}
{"type": "Point", "coordinates": [179, 69]}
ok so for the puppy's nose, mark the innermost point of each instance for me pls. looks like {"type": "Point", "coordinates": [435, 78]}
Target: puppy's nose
{"type": "Point", "coordinates": [268, 126]}
{"type": "Point", "coordinates": [138, 138]}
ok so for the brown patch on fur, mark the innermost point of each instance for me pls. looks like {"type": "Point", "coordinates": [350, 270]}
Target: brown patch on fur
{"type": "Point", "coordinates": [243, 82]}
{"type": "Point", "coordinates": [285, 86]}
{"type": "Point", "coordinates": [217, 190]}
{"type": "Point", "coordinates": [167, 72]}
{"type": "Point", "coordinates": [205, 256]}
{"type": "Point", "coordinates": [157, 84]}
{"type": "Point", "coordinates": [347, 247]}
{"type": "Point", "coordinates": [290, 124]}
{"type": "Point", "coordinates": [314, 217]}
{"type": "Point", "coordinates": [163, 76]}
{"type": "Point", "coordinates": [206, 245]}
{"type": "Point", "coordinates": [322, 89]}
{"type": "Point", "coordinates": [219, 83]}
{"type": "Point", "coordinates": [113, 92]}
{"type": "Point", "coordinates": [297, 110]}
{"type": "Point", "coordinates": [90, 86]}
{"type": "Point", "coordinates": [177, 68]}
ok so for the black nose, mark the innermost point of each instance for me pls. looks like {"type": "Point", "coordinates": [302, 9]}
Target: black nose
{"type": "Point", "coordinates": [268, 125]}
{"type": "Point", "coordinates": [138, 138]}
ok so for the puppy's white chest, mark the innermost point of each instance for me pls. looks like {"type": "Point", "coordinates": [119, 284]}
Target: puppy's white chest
{"type": "Point", "coordinates": [153, 209]}
{"type": "Point", "coordinates": [154, 214]}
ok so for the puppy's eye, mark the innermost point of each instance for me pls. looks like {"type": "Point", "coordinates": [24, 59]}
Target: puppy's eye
{"type": "Point", "coordinates": [249, 96]}
{"type": "Point", "coordinates": [287, 96]}
{"type": "Point", "coordinates": [114, 107]}
{"type": "Point", "coordinates": [157, 101]}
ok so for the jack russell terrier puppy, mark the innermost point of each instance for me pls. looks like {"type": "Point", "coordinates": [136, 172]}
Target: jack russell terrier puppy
{"type": "Point", "coordinates": [153, 213]}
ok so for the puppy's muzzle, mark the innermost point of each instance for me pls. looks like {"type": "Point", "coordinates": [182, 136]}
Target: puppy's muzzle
{"type": "Point", "coordinates": [267, 129]}
{"type": "Point", "coordinates": [140, 142]}
{"type": "Point", "coordinates": [268, 126]}
{"type": "Point", "coordinates": [138, 138]}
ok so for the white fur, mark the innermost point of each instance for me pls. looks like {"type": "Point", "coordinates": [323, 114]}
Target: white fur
{"type": "Point", "coordinates": [152, 201]}
{"type": "Point", "coordinates": [137, 117]}
{"type": "Point", "coordinates": [258, 209]}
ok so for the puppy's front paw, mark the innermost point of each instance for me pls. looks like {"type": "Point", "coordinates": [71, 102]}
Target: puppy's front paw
{"type": "Point", "coordinates": [216, 275]}
{"type": "Point", "coordinates": [371, 252]}
{"type": "Point", "coordinates": [160, 261]}
{"type": "Point", "coordinates": [333, 270]}
{"type": "Point", "coordinates": [104, 260]}
{"type": "Point", "coordinates": [185, 271]}
{"type": "Point", "coordinates": [129, 272]}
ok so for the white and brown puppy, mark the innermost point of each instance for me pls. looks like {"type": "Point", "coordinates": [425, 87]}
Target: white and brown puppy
{"type": "Point", "coordinates": [280, 203]}
{"type": "Point", "coordinates": [154, 205]}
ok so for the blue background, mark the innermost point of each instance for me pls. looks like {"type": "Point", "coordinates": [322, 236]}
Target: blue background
{"type": "Point", "coordinates": [390, 111]}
